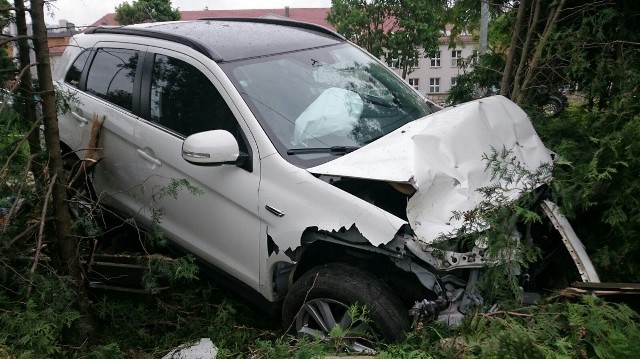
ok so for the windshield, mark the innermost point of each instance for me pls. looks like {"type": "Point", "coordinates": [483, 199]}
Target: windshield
{"type": "Point", "coordinates": [321, 103]}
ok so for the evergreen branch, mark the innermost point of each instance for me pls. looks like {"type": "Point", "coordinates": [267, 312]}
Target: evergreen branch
{"type": "Point", "coordinates": [20, 236]}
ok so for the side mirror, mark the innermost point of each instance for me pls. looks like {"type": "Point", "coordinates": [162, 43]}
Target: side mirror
{"type": "Point", "coordinates": [215, 147]}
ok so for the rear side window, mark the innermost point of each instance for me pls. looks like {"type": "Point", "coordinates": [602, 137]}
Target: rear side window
{"type": "Point", "coordinates": [185, 101]}
{"type": "Point", "coordinates": [112, 74]}
{"type": "Point", "coordinates": [74, 73]}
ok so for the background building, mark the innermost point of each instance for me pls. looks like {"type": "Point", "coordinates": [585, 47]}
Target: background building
{"type": "Point", "coordinates": [436, 74]}
{"type": "Point", "coordinates": [58, 37]}
{"type": "Point", "coordinates": [433, 77]}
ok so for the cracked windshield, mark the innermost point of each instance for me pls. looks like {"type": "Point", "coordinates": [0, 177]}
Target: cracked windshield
{"type": "Point", "coordinates": [321, 103]}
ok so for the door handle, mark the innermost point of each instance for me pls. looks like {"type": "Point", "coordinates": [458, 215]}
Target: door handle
{"type": "Point", "coordinates": [148, 157]}
{"type": "Point", "coordinates": [83, 121]}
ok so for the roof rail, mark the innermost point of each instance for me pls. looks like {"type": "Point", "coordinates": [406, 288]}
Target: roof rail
{"type": "Point", "coordinates": [196, 45]}
{"type": "Point", "coordinates": [292, 23]}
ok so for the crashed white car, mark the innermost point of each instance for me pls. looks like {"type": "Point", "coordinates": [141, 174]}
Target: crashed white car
{"type": "Point", "coordinates": [324, 178]}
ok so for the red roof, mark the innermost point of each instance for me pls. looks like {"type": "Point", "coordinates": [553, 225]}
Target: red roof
{"type": "Point", "coordinates": [313, 15]}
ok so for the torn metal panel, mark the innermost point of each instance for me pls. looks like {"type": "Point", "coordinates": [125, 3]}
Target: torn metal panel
{"type": "Point", "coordinates": [441, 157]}
{"type": "Point", "coordinates": [272, 247]}
{"type": "Point", "coordinates": [448, 260]}
{"type": "Point", "coordinates": [572, 242]}
{"type": "Point", "coordinates": [326, 207]}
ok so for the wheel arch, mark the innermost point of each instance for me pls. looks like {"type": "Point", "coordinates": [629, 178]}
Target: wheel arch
{"type": "Point", "coordinates": [322, 251]}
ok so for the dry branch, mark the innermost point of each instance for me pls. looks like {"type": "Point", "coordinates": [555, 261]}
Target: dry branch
{"type": "Point", "coordinates": [41, 232]}
{"type": "Point", "coordinates": [88, 161]}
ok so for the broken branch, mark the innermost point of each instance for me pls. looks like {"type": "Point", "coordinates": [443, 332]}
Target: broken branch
{"type": "Point", "coordinates": [88, 161]}
{"type": "Point", "coordinates": [41, 232]}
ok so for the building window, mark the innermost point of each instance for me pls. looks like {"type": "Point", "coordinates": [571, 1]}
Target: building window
{"type": "Point", "coordinates": [394, 63]}
{"type": "Point", "coordinates": [434, 85]}
{"type": "Point", "coordinates": [454, 81]}
{"type": "Point", "coordinates": [456, 55]}
{"type": "Point", "coordinates": [435, 59]}
{"type": "Point", "coordinates": [474, 57]}
{"type": "Point", "coordinates": [414, 83]}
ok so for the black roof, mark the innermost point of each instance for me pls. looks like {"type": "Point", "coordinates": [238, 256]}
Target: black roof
{"type": "Point", "coordinates": [232, 39]}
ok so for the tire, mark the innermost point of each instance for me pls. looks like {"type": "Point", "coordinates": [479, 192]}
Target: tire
{"type": "Point", "coordinates": [332, 288]}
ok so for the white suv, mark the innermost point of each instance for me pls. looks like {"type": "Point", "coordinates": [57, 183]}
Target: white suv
{"type": "Point", "coordinates": [324, 177]}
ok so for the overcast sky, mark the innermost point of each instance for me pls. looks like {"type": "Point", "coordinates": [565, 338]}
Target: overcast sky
{"type": "Point", "coordinates": [85, 12]}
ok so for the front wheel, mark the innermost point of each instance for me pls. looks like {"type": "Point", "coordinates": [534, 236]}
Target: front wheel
{"type": "Point", "coordinates": [329, 294]}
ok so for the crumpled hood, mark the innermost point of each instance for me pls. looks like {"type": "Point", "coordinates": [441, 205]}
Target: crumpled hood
{"type": "Point", "coordinates": [441, 157]}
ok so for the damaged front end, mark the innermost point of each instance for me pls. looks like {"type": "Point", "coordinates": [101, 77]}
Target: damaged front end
{"type": "Point", "coordinates": [431, 173]}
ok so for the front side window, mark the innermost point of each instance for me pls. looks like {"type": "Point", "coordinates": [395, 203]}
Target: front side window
{"type": "Point", "coordinates": [112, 74]}
{"type": "Point", "coordinates": [316, 104]}
{"type": "Point", "coordinates": [75, 71]}
{"type": "Point", "coordinates": [185, 101]}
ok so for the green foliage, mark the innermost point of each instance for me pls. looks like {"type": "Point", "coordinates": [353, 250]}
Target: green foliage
{"type": "Point", "coordinates": [164, 270]}
{"type": "Point", "coordinates": [464, 16]}
{"type": "Point", "coordinates": [359, 330]}
{"type": "Point", "coordinates": [588, 329]}
{"type": "Point", "coordinates": [598, 139]}
{"type": "Point", "coordinates": [142, 11]}
{"type": "Point", "coordinates": [361, 22]}
{"type": "Point", "coordinates": [481, 80]}
{"type": "Point", "coordinates": [287, 347]}
{"type": "Point", "coordinates": [156, 324]}
{"type": "Point", "coordinates": [32, 328]}
{"type": "Point", "coordinates": [416, 32]}
{"type": "Point", "coordinates": [107, 351]}
{"type": "Point", "coordinates": [598, 183]}
{"type": "Point", "coordinates": [585, 328]}
{"type": "Point", "coordinates": [401, 31]}
{"type": "Point", "coordinates": [593, 52]}
{"type": "Point", "coordinates": [424, 342]}
{"type": "Point", "coordinates": [6, 62]}
{"type": "Point", "coordinates": [604, 66]}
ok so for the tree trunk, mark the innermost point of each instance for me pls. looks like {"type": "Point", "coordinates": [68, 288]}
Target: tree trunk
{"type": "Point", "coordinates": [548, 29]}
{"type": "Point", "coordinates": [26, 88]}
{"type": "Point", "coordinates": [525, 51]}
{"type": "Point", "coordinates": [513, 47]}
{"type": "Point", "coordinates": [66, 244]}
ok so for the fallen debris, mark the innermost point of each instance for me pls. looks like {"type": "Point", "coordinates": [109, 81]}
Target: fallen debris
{"type": "Point", "coordinates": [203, 349]}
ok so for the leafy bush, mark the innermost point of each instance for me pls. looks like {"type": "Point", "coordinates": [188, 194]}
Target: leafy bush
{"type": "Point", "coordinates": [597, 182]}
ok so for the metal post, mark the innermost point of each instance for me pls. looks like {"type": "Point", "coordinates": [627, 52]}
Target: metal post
{"type": "Point", "coordinates": [484, 26]}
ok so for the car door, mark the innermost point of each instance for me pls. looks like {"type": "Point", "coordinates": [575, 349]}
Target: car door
{"type": "Point", "coordinates": [210, 211]}
{"type": "Point", "coordinates": [107, 89]}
